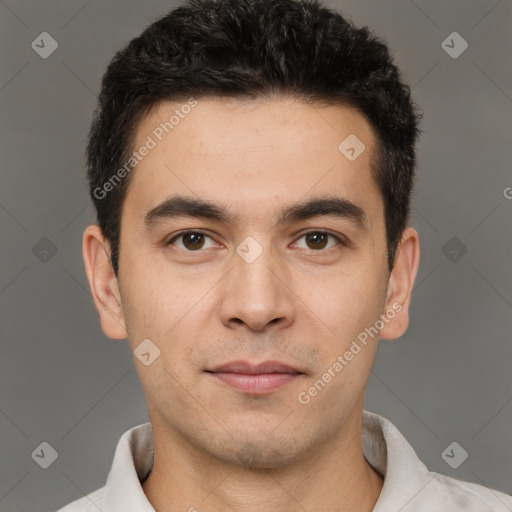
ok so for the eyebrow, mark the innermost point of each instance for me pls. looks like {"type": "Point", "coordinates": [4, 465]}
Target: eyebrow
{"type": "Point", "coordinates": [183, 206]}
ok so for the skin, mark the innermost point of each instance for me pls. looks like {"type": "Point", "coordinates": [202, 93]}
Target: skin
{"type": "Point", "coordinates": [217, 448]}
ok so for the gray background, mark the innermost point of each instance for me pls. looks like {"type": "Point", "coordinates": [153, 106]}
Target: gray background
{"type": "Point", "coordinates": [62, 381]}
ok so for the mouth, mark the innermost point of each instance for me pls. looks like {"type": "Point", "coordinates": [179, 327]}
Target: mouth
{"type": "Point", "coordinates": [255, 379]}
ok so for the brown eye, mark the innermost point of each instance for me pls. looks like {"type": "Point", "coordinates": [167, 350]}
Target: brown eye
{"type": "Point", "coordinates": [190, 241]}
{"type": "Point", "coordinates": [193, 241]}
{"type": "Point", "coordinates": [316, 240]}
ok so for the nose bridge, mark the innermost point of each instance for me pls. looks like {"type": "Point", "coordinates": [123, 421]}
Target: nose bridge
{"type": "Point", "coordinates": [254, 292]}
{"type": "Point", "coordinates": [253, 272]}
{"type": "Point", "coordinates": [255, 269]}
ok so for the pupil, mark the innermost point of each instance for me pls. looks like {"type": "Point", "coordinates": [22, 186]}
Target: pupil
{"type": "Point", "coordinates": [193, 240]}
{"type": "Point", "coordinates": [316, 237]}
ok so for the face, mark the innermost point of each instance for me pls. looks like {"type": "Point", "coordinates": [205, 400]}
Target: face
{"type": "Point", "coordinates": [253, 257]}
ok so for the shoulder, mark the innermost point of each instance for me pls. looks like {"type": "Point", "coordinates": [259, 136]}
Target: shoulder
{"type": "Point", "coordinates": [458, 495]}
{"type": "Point", "coordinates": [409, 486]}
{"type": "Point", "coordinates": [90, 503]}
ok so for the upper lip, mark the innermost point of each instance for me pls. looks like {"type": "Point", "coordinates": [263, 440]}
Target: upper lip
{"type": "Point", "coordinates": [255, 369]}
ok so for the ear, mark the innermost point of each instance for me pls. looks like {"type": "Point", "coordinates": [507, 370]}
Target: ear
{"type": "Point", "coordinates": [103, 282]}
{"type": "Point", "coordinates": [400, 284]}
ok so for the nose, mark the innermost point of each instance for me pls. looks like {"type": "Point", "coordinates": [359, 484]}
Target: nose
{"type": "Point", "coordinates": [257, 295]}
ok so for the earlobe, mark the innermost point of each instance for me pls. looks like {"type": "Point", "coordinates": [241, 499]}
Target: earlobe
{"type": "Point", "coordinates": [400, 285]}
{"type": "Point", "coordinates": [103, 282]}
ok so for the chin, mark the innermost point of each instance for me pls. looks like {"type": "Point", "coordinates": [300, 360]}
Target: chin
{"type": "Point", "coordinates": [258, 452]}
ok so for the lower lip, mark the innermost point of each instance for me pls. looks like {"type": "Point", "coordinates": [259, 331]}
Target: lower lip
{"type": "Point", "coordinates": [258, 384]}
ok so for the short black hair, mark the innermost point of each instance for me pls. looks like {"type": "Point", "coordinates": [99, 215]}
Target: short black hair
{"type": "Point", "coordinates": [251, 49]}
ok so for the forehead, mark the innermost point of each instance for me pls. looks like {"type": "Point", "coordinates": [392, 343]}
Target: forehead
{"type": "Point", "coordinates": [251, 155]}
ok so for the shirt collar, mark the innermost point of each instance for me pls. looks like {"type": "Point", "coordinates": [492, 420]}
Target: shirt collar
{"type": "Point", "coordinates": [389, 453]}
{"type": "Point", "coordinates": [384, 447]}
{"type": "Point", "coordinates": [133, 461]}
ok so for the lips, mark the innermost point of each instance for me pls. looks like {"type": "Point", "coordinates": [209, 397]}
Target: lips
{"type": "Point", "coordinates": [255, 369]}
{"type": "Point", "coordinates": [255, 379]}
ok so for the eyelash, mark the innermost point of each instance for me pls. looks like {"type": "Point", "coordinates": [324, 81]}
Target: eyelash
{"type": "Point", "coordinates": [198, 232]}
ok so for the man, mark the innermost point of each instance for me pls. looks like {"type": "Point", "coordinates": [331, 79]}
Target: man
{"type": "Point", "coordinates": [251, 164]}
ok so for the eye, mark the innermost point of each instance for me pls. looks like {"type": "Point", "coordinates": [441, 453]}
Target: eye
{"type": "Point", "coordinates": [318, 240]}
{"type": "Point", "coordinates": [194, 241]}
{"type": "Point", "coordinates": [191, 240]}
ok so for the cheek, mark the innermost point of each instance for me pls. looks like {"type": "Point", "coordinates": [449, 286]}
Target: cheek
{"type": "Point", "coordinates": [344, 303]}
{"type": "Point", "coordinates": [153, 301]}
{"type": "Point", "coordinates": [172, 319]}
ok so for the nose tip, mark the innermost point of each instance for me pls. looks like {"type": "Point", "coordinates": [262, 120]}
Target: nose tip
{"type": "Point", "coordinates": [255, 323]}
{"type": "Point", "coordinates": [254, 295]}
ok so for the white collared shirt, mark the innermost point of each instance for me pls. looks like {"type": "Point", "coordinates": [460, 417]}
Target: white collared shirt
{"type": "Point", "coordinates": [408, 485]}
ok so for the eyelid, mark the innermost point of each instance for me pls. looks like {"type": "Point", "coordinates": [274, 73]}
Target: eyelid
{"type": "Point", "coordinates": [185, 232]}
{"type": "Point", "coordinates": [342, 240]}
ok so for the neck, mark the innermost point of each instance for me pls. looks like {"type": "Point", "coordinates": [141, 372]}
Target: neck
{"type": "Point", "coordinates": [335, 476]}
